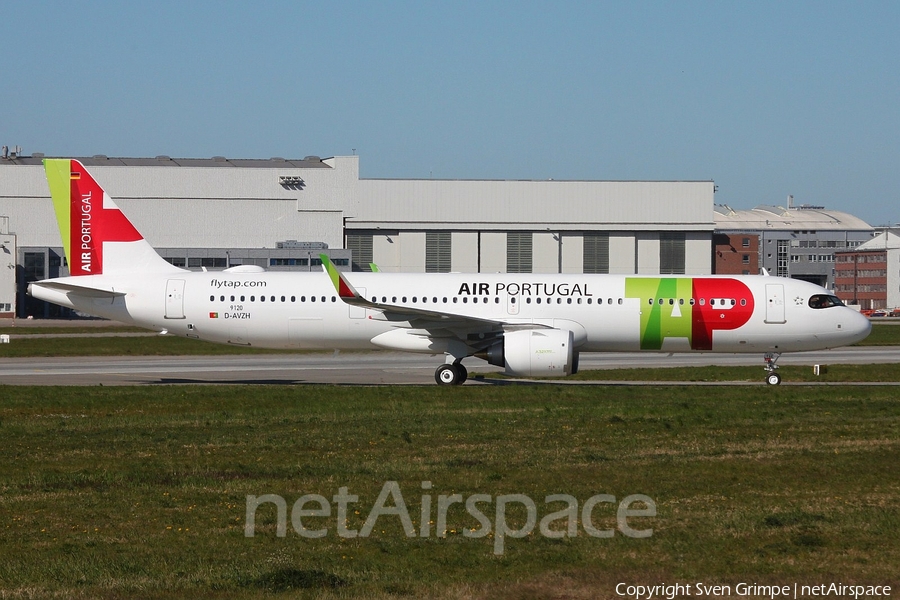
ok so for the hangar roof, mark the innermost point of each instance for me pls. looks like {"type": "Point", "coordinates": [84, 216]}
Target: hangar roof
{"type": "Point", "coordinates": [778, 217]}
{"type": "Point", "coordinates": [885, 241]}
{"type": "Point", "coordinates": [99, 160]}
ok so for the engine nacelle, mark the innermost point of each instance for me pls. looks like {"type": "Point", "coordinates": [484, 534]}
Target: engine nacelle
{"type": "Point", "coordinates": [534, 353]}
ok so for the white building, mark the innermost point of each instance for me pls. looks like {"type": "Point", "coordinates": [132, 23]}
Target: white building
{"type": "Point", "coordinates": [7, 270]}
{"type": "Point", "coordinates": [276, 213]}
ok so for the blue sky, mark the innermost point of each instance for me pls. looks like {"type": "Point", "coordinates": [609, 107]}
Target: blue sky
{"type": "Point", "coordinates": [766, 98]}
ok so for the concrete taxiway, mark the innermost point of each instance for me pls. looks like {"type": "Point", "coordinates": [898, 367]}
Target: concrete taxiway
{"type": "Point", "coordinates": [367, 368]}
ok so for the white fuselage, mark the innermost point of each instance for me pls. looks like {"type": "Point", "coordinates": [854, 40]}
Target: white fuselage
{"type": "Point", "coordinates": [604, 312]}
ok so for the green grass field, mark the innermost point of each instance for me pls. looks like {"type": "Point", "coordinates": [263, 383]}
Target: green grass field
{"type": "Point", "coordinates": [141, 491]}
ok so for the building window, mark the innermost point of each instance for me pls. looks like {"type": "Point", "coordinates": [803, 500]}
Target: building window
{"type": "Point", "coordinates": [781, 263]}
{"type": "Point", "coordinates": [671, 253]}
{"type": "Point", "coordinates": [518, 252]}
{"type": "Point", "coordinates": [288, 262]}
{"type": "Point", "coordinates": [34, 266]}
{"type": "Point", "coordinates": [596, 252]}
{"type": "Point", "coordinates": [745, 242]}
{"type": "Point", "coordinates": [437, 251]}
{"type": "Point", "coordinates": [361, 246]}
{"type": "Point", "coordinates": [745, 259]}
{"type": "Point", "coordinates": [208, 262]}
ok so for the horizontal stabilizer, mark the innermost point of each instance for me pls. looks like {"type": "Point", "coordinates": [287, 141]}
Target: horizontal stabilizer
{"type": "Point", "coordinates": [78, 290]}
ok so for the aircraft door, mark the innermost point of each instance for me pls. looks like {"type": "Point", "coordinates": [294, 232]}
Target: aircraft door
{"type": "Point", "coordinates": [175, 299]}
{"type": "Point", "coordinates": [775, 303]}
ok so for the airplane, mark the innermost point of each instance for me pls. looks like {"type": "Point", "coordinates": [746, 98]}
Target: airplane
{"type": "Point", "coordinates": [528, 324]}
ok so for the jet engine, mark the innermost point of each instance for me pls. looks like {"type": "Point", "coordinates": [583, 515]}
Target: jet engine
{"type": "Point", "coordinates": [534, 353]}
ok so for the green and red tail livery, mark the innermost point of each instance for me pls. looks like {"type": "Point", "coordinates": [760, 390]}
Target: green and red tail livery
{"type": "Point", "coordinates": [343, 287]}
{"type": "Point", "coordinates": [86, 215]}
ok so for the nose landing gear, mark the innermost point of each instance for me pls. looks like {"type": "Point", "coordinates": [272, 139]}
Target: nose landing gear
{"type": "Point", "coordinates": [772, 377]}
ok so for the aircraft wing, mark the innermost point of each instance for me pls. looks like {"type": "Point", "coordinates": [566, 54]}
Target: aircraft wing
{"type": "Point", "coordinates": [417, 317]}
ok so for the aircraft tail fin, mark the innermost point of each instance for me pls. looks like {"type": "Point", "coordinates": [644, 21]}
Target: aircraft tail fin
{"type": "Point", "coordinates": [98, 238]}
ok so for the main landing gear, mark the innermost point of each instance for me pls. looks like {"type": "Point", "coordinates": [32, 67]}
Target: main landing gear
{"type": "Point", "coordinates": [451, 373]}
{"type": "Point", "coordinates": [772, 378]}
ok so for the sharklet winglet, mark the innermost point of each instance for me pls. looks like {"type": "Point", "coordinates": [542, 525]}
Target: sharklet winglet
{"type": "Point", "coordinates": [343, 287]}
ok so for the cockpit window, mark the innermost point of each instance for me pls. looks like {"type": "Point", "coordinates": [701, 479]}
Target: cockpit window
{"type": "Point", "coordinates": [824, 301]}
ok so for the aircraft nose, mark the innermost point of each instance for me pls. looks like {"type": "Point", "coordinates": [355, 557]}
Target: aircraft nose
{"type": "Point", "coordinates": [857, 327]}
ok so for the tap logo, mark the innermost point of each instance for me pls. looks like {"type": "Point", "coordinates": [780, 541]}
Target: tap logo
{"type": "Point", "coordinates": [689, 308]}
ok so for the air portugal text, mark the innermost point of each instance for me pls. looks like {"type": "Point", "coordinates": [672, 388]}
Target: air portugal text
{"type": "Point", "coordinates": [525, 289]}
{"type": "Point", "coordinates": [87, 238]}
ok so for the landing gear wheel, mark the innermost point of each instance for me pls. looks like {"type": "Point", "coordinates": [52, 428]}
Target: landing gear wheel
{"type": "Point", "coordinates": [772, 378]}
{"type": "Point", "coordinates": [463, 373]}
{"type": "Point", "coordinates": [447, 375]}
